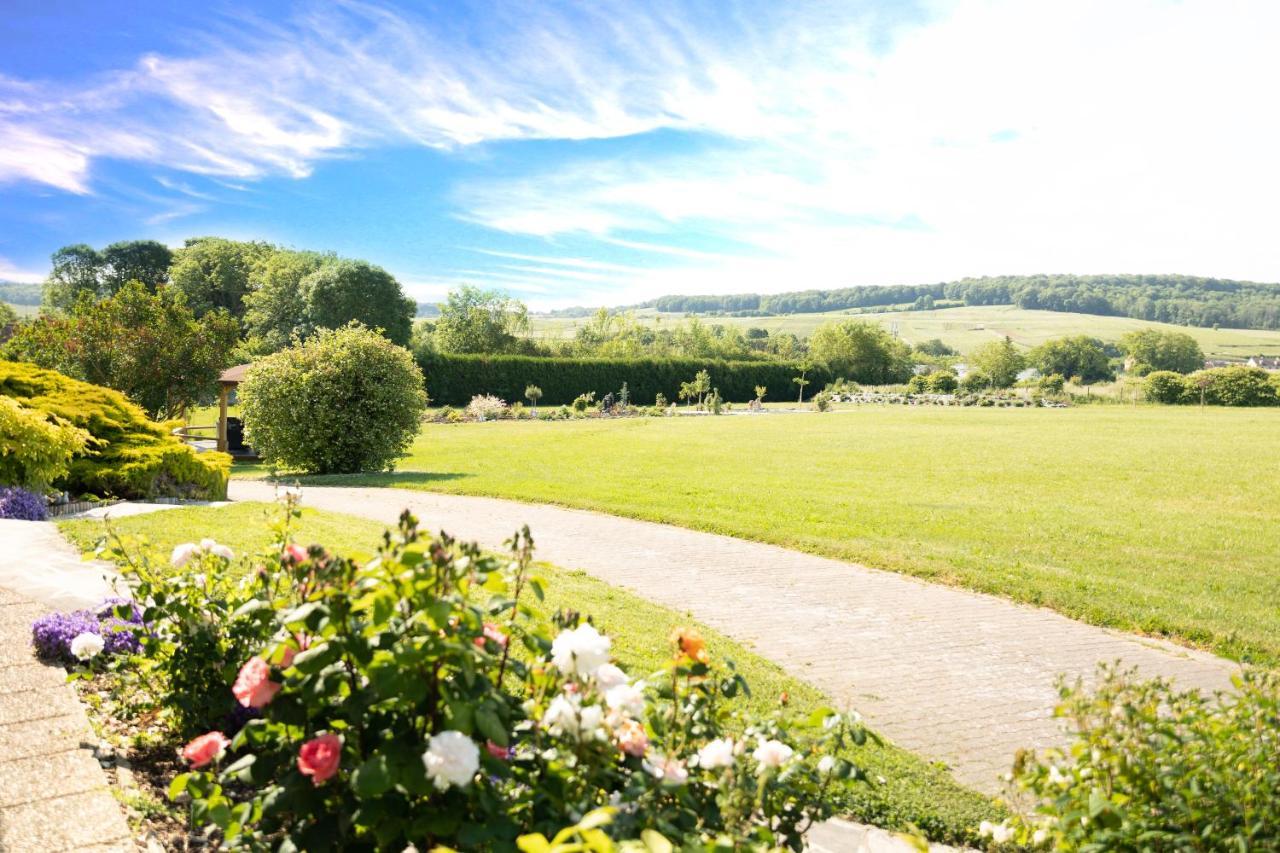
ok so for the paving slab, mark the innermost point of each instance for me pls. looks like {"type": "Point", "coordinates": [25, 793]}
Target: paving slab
{"type": "Point", "coordinates": [955, 676]}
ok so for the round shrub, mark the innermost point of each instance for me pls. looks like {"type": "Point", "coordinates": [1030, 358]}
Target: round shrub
{"type": "Point", "coordinates": [35, 448]}
{"type": "Point", "coordinates": [1164, 386]}
{"type": "Point", "coordinates": [943, 382]}
{"type": "Point", "coordinates": [342, 401]}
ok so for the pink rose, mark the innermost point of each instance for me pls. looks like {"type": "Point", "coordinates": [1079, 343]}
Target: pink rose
{"type": "Point", "coordinates": [206, 748]}
{"type": "Point", "coordinates": [491, 632]}
{"type": "Point", "coordinates": [501, 753]}
{"type": "Point", "coordinates": [319, 757]}
{"type": "Point", "coordinates": [631, 738]}
{"type": "Point", "coordinates": [254, 687]}
{"type": "Point", "coordinates": [287, 656]}
{"type": "Point", "coordinates": [295, 554]}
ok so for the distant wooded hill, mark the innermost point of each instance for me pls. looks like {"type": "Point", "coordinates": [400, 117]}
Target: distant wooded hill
{"type": "Point", "coordinates": [1181, 299]}
{"type": "Point", "coordinates": [19, 294]}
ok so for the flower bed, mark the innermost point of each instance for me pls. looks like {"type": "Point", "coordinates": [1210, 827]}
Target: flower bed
{"type": "Point", "coordinates": [417, 699]}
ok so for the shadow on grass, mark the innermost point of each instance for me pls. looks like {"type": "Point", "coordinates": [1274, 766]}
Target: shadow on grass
{"type": "Point", "coordinates": [400, 479]}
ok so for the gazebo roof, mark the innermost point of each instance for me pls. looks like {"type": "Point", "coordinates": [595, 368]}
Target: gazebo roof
{"type": "Point", "coordinates": [233, 375]}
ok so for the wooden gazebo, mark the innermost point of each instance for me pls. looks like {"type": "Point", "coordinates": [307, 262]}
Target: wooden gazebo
{"type": "Point", "coordinates": [230, 378]}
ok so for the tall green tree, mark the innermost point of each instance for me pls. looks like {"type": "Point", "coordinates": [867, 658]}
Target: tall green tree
{"type": "Point", "coordinates": [340, 292]}
{"type": "Point", "coordinates": [150, 346]}
{"type": "Point", "coordinates": [1154, 349]}
{"type": "Point", "coordinates": [1000, 361]}
{"type": "Point", "coordinates": [214, 273]}
{"type": "Point", "coordinates": [863, 352]}
{"type": "Point", "coordinates": [276, 306]}
{"type": "Point", "coordinates": [146, 261]}
{"type": "Point", "coordinates": [473, 320]}
{"type": "Point", "coordinates": [1076, 356]}
{"type": "Point", "coordinates": [74, 270]}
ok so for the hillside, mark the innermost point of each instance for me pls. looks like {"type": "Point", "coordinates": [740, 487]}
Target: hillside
{"type": "Point", "coordinates": [966, 327]}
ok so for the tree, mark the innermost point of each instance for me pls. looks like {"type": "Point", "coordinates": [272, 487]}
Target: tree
{"type": "Point", "coordinates": [999, 362]}
{"type": "Point", "coordinates": [8, 316]}
{"type": "Point", "coordinates": [533, 394]}
{"type": "Point", "coordinates": [1153, 349]}
{"type": "Point", "coordinates": [342, 401]}
{"type": "Point", "coordinates": [943, 382]}
{"type": "Point", "coordinates": [74, 271]}
{"type": "Point", "coordinates": [480, 321]}
{"type": "Point", "coordinates": [213, 273]}
{"type": "Point", "coordinates": [342, 292]}
{"type": "Point", "coordinates": [146, 261]}
{"type": "Point", "coordinates": [1080, 356]}
{"type": "Point", "coordinates": [935, 347]}
{"type": "Point", "coordinates": [863, 352]}
{"type": "Point", "coordinates": [275, 308]}
{"type": "Point", "coordinates": [147, 345]}
{"type": "Point", "coordinates": [805, 367]}
{"type": "Point", "coordinates": [1165, 386]}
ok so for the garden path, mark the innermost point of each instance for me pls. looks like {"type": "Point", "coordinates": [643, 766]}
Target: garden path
{"type": "Point", "coordinates": [53, 791]}
{"type": "Point", "coordinates": [955, 676]}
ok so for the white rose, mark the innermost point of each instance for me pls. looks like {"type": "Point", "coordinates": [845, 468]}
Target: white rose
{"type": "Point", "coordinates": [451, 758]}
{"type": "Point", "coordinates": [1002, 833]}
{"type": "Point", "coordinates": [826, 764]}
{"type": "Point", "coordinates": [717, 753]}
{"type": "Point", "coordinates": [772, 753]}
{"type": "Point", "coordinates": [609, 676]}
{"type": "Point", "coordinates": [87, 646]}
{"type": "Point", "coordinates": [1040, 836]}
{"type": "Point", "coordinates": [1057, 777]}
{"type": "Point", "coordinates": [581, 651]}
{"type": "Point", "coordinates": [590, 722]}
{"type": "Point", "coordinates": [667, 769]}
{"type": "Point", "coordinates": [986, 828]}
{"type": "Point", "coordinates": [183, 553]}
{"type": "Point", "coordinates": [561, 716]}
{"type": "Point", "coordinates": [627, 698]}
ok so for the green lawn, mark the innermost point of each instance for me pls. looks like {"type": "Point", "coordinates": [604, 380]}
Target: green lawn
{"type": "Point", "coordinates": [967, 327]}
{"type": "Point", "coordinates": [914, 793]}
{"type": "Point", "coordinates": [1164, 520]}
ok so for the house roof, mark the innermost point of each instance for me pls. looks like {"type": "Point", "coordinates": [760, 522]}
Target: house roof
{"type": "Point", "coordinates": [234, 375]}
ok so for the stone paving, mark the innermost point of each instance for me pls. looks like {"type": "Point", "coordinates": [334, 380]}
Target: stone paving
{"type": "Point", "coordinates": [960, 677]}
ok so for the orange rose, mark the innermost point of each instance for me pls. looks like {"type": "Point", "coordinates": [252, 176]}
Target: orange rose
{"type": "Point", "coordinates": [690, 644]}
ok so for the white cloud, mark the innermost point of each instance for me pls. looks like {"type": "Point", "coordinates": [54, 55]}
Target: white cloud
{"type": "Point", "coordinates": [10, 272]}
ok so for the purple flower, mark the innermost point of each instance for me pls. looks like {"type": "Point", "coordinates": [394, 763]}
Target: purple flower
{"type": "Point", "coordinates": [22, 504]}
{"type": "Point", "coordinates": [52, 634]}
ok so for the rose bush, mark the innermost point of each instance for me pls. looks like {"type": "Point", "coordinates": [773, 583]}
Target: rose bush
{"type": "Point", "coordinates": [418, 699]}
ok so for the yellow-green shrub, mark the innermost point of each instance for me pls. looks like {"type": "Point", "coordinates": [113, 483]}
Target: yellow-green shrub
{"type": "Point", "coordinates": [35, 448]}
{"type": "Point", "coordinates": [127, 455]}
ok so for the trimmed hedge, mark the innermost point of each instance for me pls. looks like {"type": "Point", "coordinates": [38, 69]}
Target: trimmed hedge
{"type": "Point", "coordinates": [129, 455]}
{"type": "Point", "coordinates": [453, 379]}
{"type": "Point", "coordinates": [1218, 386]}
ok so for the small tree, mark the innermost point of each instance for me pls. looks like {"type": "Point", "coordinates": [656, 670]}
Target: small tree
{"type": "Point", "coordinates": [624, 396]}
{"type": "Point", "coordinates": [533, 394]}
{"type": "Point", "coordinates": [760, 391]}
{"type": "Point", "coordinates": [342, 401]}
{"type": "Point", "coordinates": [702, 386]}
{"type": "Point", "coordinates": [805, 367]}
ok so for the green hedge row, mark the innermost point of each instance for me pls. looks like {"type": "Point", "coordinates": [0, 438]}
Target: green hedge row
{"type": "Point", "coordinates": [452, 380]}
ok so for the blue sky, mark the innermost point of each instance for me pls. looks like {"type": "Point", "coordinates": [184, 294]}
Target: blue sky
{"type": "Point", "coordinates": [607, 152]}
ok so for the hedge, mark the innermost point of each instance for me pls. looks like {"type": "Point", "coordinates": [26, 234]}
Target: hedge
{"type": "Point", "coordinates": [454, 379]}
{"type": "Point", "coordinates": [129, 455]}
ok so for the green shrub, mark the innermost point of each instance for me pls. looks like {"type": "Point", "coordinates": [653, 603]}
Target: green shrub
{"type": "Point", "coordinates": [918, 384]}
{"type": "Point", "coordinates": [1051, 384]}
{"type": "Point", "coordinates": [127, 455]}
{"type": "Point", "coordinates": [582, 402]}
{"type": "Point", "coordinates": [342, 401]}
{"type": "Point", "coordinates": [455, 378]}
{"type": "Point", "coordinates": [943, 382]}
{"type": "Point", "coordinates": [974, 381]}
{"type": "Point", "coordinates": [1152, 768]}
{"type": "Point", "coordinates": [1165, 386]}
{"type": "Point", "coordinates": [1234, 386]}
{"type": "Point", "coordinates": [35, 448]}
{"type": "Point", "coordinates": [822, 401]}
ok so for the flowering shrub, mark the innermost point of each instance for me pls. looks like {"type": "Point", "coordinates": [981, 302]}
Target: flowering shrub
{"type": "Point", "coordinates": [114, 627]}
{"type": "Point", "coordinates": [486, 407]}
{"type": "Point", "coordinates": [1156, 769]}
{"type": "Point", "coordinates": [21, 504]}
{"type": "Point", "coordinates": [416, 699]}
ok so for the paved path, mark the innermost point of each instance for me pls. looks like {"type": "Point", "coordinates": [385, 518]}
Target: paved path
{"type": "Point", "coordinates": [956, 676]}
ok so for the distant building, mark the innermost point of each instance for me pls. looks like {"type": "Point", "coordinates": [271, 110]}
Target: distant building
{"type": "Point", "coordinates": [1265, 362]}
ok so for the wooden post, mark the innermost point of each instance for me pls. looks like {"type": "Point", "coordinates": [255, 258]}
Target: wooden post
{"type": "Point", "coordinates": [222, 417]}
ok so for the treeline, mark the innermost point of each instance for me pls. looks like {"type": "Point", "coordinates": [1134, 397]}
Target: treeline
{"type": "Point", "coordinates": [1179, 299]}
{"type": "Point", "coordinates": [453, 379]}
{"type": "Point", "coordinates": [18, 293]}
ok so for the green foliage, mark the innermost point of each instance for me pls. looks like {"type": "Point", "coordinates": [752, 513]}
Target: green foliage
{"type": "Point", "coordinates": [918, 384]}
{"type": "Point", "coordinates": [582, 402]}
{"type": "Point", "coordinates": [149, 346]}
{"type": "Point", "coordinates": [81, 271]}
{"type": "Point", "coordinates": [998, 361]}
{"type": "Point", "coordinates": [214, 273]}
{"type": "Point", "coordinates": [1153, 349]}
{"type": "Point", "coordinates": [343, 291]}
{"type": "Point", "coordinates": [943, 382]}
{"type": "Point", "coordinates": [1051, 383]}
{"type": "Point", "coordinates": [7, 315]}
{"type": "Point", "coordinates": [863, 352]}
{"type": "Point", "coordinates": [458, 717]}
{"type": "Point", "coordinates": [341, 401]}
{"type": "Point", "coordinates": [127, 455]}
{"type": "Point", "coordinates": [1153, 768]}
{"type": "Point", "coordinates": [935, 348]}
{"type": "Point", "coordinates": [822, 401]}
{"type": "Point", "coordinates": [1079, 356]}
{"type": "Point", "coordinates": [35, 448]}
{"type": "Point", "coordinates": [1165, 386]}
{"type": "Point", "coordinates": [1235, 386]}
{"type": "Point", "coordinates": [276, 307]}
{"type": "Point", "coordinates": [480, 321]}
{"type": "Point", "coordinates": [454, 379]}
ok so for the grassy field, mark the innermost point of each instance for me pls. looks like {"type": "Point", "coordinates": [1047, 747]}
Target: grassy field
{"type": "Point", "coordinates": [1164, 520]}
{"type": "Point", "coordinates": [967, 327]}
{"type": "Point", "coordinates": [914, 793]}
